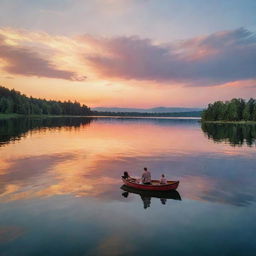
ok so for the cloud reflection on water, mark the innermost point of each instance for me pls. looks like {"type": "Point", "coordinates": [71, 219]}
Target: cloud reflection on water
{"type": "Point", "coordinates": [88, 161]}
{"type": "Point", "coordinates": [10, 233]}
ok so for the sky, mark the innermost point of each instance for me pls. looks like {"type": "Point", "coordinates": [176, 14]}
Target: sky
{"type": "Point", "coordinates": [129, 53]}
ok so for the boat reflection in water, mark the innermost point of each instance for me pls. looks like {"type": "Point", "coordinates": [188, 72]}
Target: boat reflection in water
{"type": "Point", "coordinates": [146, 195]}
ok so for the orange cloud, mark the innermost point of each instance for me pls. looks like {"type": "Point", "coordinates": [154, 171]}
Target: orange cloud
{"type": "Point", "coordinates": [31, 54]}
{"type": "Point", "coordinates": [204, 61]}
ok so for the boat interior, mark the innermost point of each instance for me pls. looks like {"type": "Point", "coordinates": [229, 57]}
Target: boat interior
{"type": "Point", "coordinates": [153, 182]}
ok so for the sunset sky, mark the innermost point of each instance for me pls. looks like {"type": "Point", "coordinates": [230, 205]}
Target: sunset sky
{"type": "Point", "coordinates": [129, 53]}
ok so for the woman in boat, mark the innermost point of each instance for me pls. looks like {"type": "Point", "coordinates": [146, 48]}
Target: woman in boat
{"type": "Point", "coordinates": [163, 180]}
{"type": "Point", "coordinates": [126, 175]}
{"type": "Point", "coordinates": [146, 177]}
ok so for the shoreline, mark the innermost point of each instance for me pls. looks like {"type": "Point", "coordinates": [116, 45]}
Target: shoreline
{"type": "Point", "coordinates": [13, 116]}
{"type": "Point", "coordinates": [228, 122]}
{"type": "Point", "coordinates": [16, 116]}
{"type": "Point", "coordinates": [10, 116]}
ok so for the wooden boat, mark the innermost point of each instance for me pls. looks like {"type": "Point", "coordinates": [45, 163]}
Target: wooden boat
{"type": "Point", "coordinates": [172, 194]}
{"type": "Point", "coordinates": [154, 186]}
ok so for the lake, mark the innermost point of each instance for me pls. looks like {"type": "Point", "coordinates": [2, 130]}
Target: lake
{"type": "Point", "coordinates": [60, 187]}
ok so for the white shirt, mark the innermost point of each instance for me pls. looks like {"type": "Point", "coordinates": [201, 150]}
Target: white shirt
{"type": "Point", "coordinates": [163, 181]}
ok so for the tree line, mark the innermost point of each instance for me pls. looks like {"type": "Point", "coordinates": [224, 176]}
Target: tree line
{"type": "Point", "coordinates": [12, 101]}
{"type": "Point", "coordinates": [233, 110]}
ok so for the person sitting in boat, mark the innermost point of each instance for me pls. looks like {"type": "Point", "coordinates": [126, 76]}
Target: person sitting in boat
{"type": "Point", "coordinates": [146, 177]}
{"type": "Point", "coordinates": [163, 180]}
{"type": "Point", "coordinates": [126, 175]}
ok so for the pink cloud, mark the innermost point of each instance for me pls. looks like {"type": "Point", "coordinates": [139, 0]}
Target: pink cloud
{"type": "Point", "coordinates": [27, 62]}
{"type": "Point", "coordinates": [211, 60]}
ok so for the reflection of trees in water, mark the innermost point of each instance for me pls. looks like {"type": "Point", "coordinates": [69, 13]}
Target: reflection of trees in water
{"type": "Point", "coordinates": [15, 129]}
{"type": "Point", "coordinates": [235, 134]}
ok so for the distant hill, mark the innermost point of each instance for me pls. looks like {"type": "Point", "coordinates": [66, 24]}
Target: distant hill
{"type": "Point", "coordinates": [148, 110]}
{"type": "Point", "coordinates": [139, 114]}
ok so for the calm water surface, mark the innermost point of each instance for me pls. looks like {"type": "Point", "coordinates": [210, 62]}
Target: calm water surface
{"type": "Point", "coordinates": [60, 188]}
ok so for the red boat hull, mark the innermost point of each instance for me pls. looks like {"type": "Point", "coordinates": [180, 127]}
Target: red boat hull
{"type": "Point", "coordinates": [172, 185]}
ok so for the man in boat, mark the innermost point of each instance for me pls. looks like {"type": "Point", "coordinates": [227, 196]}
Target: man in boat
{"type": "Point", "coordinates": [146, 177]}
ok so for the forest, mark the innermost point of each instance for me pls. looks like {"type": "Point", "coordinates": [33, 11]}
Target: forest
{"type": "Point", "coordinates": [233, 110]}
{"type": "Point", "coordinates": [12, 101]}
